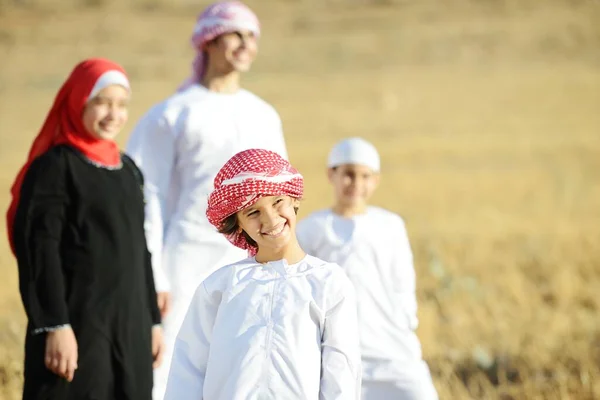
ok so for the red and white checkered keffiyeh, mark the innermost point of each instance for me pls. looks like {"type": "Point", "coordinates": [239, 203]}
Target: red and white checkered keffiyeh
{"type": "Point", "coordinates": [243, 180]}
{"type": "Point", "coordinates": [218, 19]}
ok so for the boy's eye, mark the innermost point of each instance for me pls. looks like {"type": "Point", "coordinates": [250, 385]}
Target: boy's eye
{"type": "Point", "coordinates": [278, 201]}
{"type": "Point", "coordinates": [252, 213]}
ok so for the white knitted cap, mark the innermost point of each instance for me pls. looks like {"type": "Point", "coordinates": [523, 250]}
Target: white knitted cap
{"type": "Point", "coordinates": [354, 151]}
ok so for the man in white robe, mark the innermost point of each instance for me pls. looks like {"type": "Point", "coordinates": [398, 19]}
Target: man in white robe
{"type": "Point", "coordinates": [181, 143]}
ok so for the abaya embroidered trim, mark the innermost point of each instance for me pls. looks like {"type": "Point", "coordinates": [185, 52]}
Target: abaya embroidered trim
{"type": "Point", "coordinates": [50, 329]}
{"type": "Point", "coordinates": [97, 164]}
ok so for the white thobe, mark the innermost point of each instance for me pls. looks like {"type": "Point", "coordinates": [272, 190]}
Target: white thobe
{"type": "Point", "coordinates": [269, 331]}
{"type": "Point", "coordinates": [180, 145]}
{"type": "Point", "coordinates": [374, 251]}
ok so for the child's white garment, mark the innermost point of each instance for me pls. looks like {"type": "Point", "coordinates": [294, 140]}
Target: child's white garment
{"type": "Point", "coordinates": [414, 384]}
{"type": "Point", "coordinates": [180, 145]}
{"type": "Point", "coordinates": [269, 331]}
{"type": "Point", "coordinates": [374, 250]}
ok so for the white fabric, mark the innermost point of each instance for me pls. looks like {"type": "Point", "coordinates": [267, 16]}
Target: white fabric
{"type": "Point", "coordinates": [208, 23]}
{"type": "Point", "coordinates": [414, 384]}
{"type": "Point", "coordinates": [374, 251]}
{"type": "Point", "coordinates": [109, 78]}
{"type": "Point", "coordinates": [180, 145]}
{"type": "Point", "coordinates": [269, 331]}
{"type": "Point", "coordinates": [354, 151]}
{"type": "Point", "coordinates": [280, 178]}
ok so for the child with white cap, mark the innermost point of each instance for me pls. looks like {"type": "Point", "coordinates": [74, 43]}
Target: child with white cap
{"type": "Point", "coordinates": [372, 246]}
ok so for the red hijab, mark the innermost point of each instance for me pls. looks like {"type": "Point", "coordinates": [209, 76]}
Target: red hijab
{"type": "Point", "coordinates": [64, 125]}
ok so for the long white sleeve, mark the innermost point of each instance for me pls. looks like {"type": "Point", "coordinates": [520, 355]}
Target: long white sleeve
{"type": "Point", "coordinates": [404, 283]}
{"type": "Point", "coordinates": [340, 354]}
{"type": "Point", "coordinates": [280, 146]}
{"type": "Point", "coordinates": [190, 355]}
{"type": "Point", "coordinates": [152, 147]}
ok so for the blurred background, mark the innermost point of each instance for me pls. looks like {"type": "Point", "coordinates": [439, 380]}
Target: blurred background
{"type": "Point", "coordinates": [487, 117]}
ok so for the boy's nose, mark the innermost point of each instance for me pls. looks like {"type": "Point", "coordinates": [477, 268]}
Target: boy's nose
{"type": "Point", "coordinates": [245, 40]}
{"type": "Point", "coordinates": [268, 219]}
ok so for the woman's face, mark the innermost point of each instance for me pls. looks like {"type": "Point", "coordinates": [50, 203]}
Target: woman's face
{"type": "Point", "coordinates": [105, 114]}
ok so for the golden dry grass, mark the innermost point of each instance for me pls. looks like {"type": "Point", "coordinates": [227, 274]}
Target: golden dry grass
{"type": "Point", "coordinates": [487, 116]}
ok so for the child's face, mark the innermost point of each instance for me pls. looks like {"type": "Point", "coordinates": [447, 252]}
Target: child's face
{"type": "Point", "coordinates": [233, 51]}
{"type": "Point", "coordinates": [270, 222]}
{"type": "Point", "coordinates": [353, 184]}
{"type": "Point", "coordinates": [105, 115]}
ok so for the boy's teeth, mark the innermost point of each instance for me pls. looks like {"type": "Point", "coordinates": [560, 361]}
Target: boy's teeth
{"type": "Point", "coordinates": [275, 231]}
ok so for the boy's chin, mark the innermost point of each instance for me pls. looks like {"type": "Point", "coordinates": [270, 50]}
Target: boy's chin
{"type": "Point", "coordinates": [242, 66]}
{"type": "Point", "coordinates": [354, 202]}
{"type": "Point", "coordinates": [276, 246]}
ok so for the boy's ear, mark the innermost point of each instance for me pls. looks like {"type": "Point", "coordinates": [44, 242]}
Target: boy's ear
{"type": "Point", "coordinates": [377, 179]}
{"type": "Point", "coordinates": [330, 173]}
{"type": "Point", "coordinates": [210, 43]}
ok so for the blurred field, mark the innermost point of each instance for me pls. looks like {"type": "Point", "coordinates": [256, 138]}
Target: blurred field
{"type": "Point", "coordinates": [487, 116]}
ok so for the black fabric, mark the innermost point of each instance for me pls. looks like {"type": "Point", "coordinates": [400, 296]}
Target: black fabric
{"type": "Point", "coordinates": [83, 260]}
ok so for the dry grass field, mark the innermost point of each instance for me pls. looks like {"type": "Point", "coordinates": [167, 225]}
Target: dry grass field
{"type": "Point", "coordinates": [487, 116]}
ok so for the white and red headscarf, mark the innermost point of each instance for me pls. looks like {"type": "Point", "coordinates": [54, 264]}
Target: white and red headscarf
{"type": "Point", "coordinates": [243, 180]}
{"type": "Point", "coordinates": [64, 124]}
{"type": "Point", "coordinates": [218, 19]}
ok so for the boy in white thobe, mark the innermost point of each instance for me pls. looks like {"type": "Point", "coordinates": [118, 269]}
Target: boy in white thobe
{"type": "Point", "coordinates": [280, 325]}
{"type": "Point", "coordinates": [372, 246]}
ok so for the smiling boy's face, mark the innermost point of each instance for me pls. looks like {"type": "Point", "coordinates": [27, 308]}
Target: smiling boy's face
{"type": "Point", "coordinates": [270, 222]}
{"type": "Point", "coordinates": [353, 185]}
{"type": "Point", "coordinates": [234, 51]}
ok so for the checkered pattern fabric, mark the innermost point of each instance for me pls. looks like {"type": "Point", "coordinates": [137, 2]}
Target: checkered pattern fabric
{"type": "Point", "coordinates": [215, 20]}
{"type": "Point", "coordinates": [245, 178]}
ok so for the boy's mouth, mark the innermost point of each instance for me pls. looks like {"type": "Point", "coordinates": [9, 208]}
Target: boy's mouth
{"type": "Point", "coordinates": [275, 231]}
